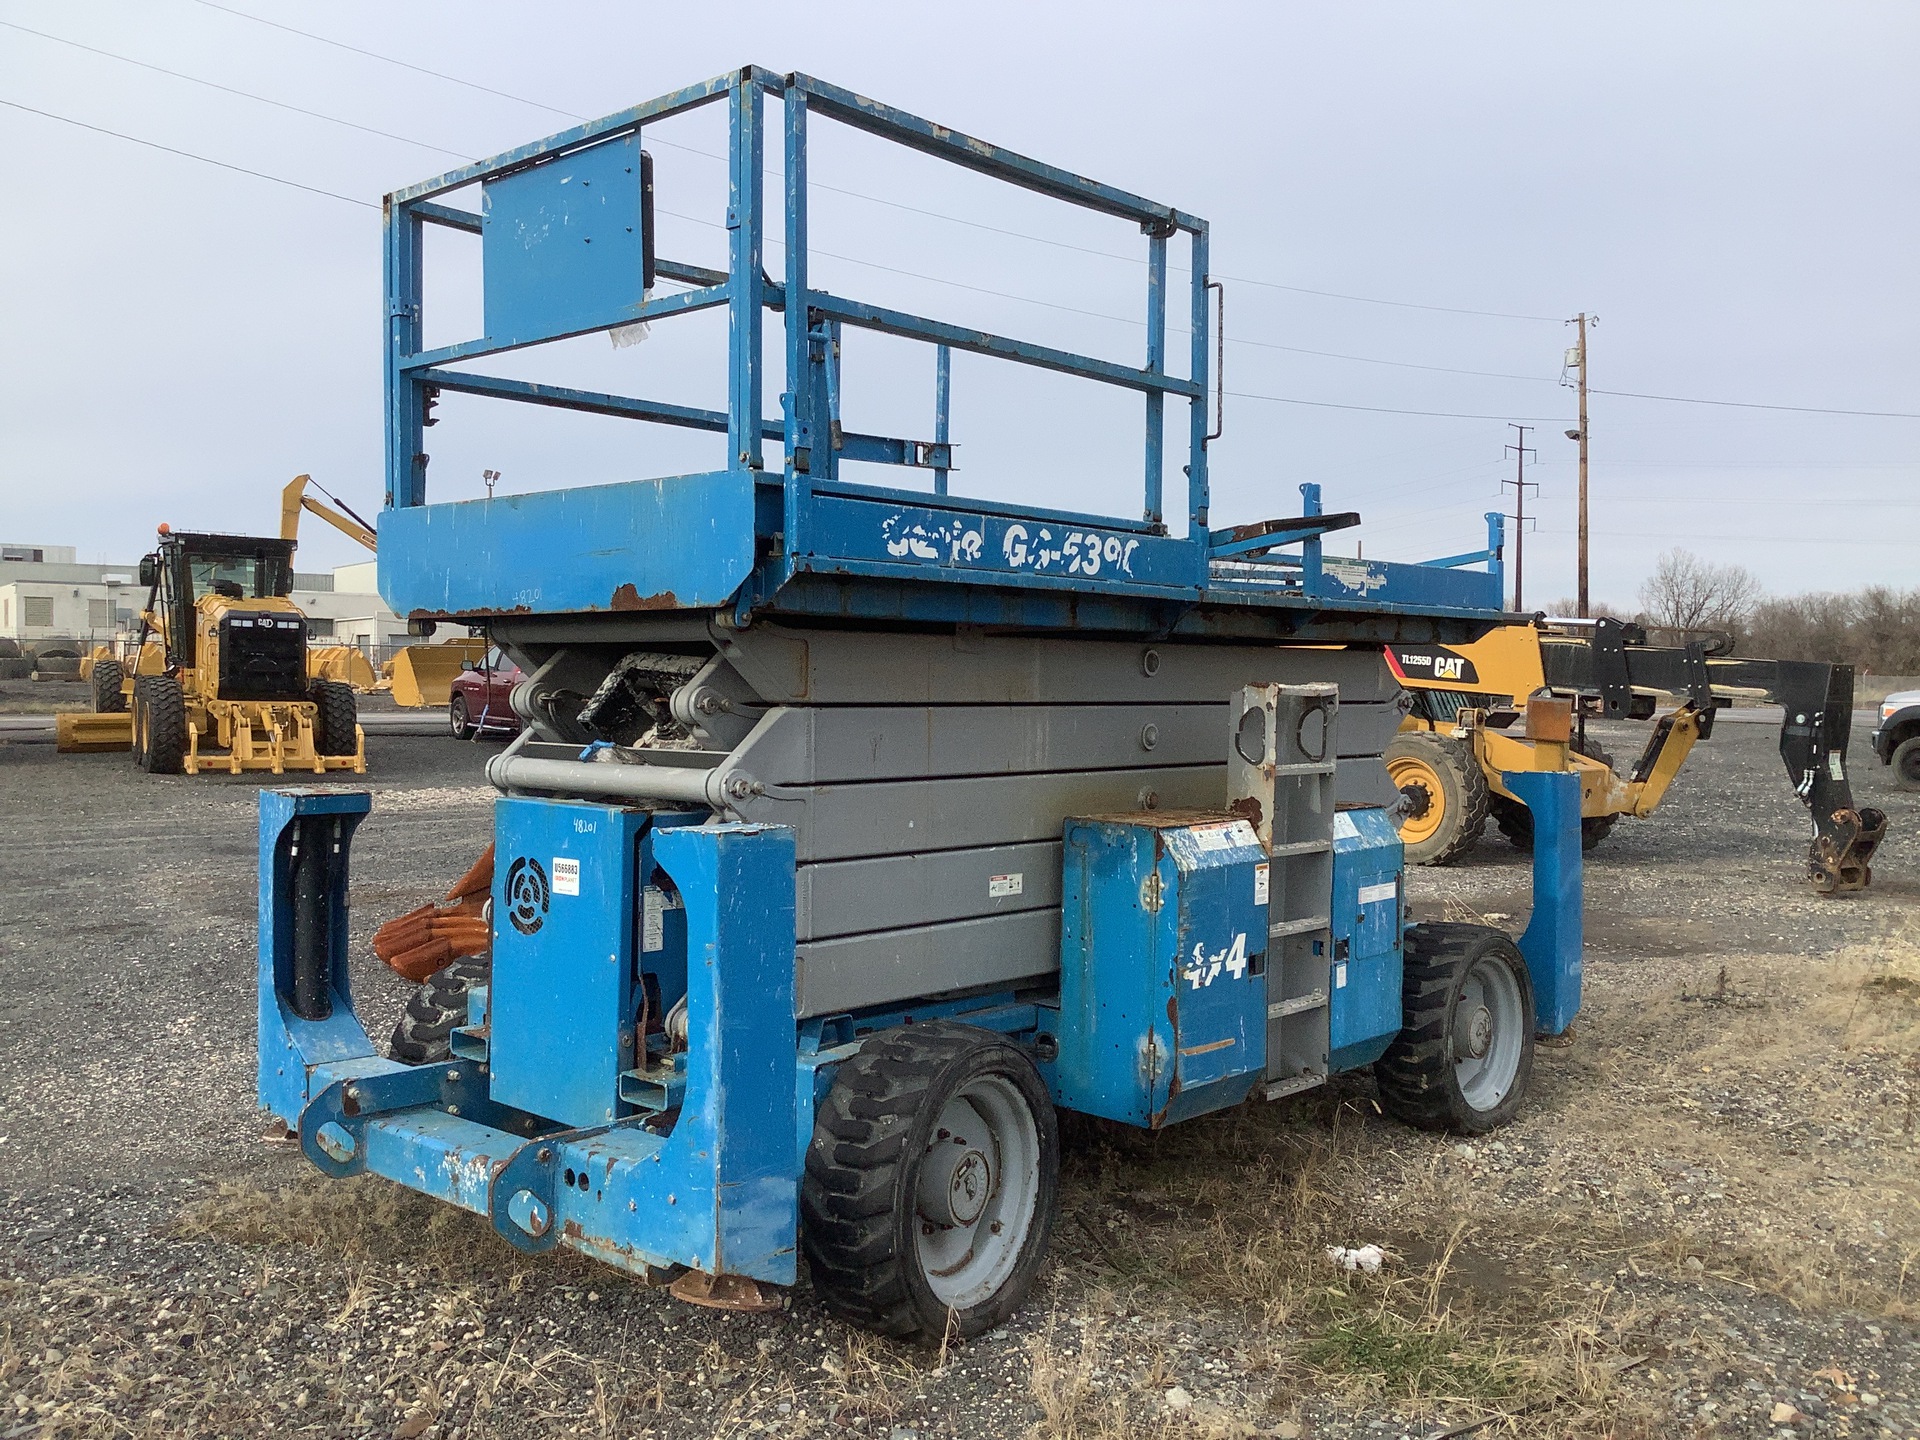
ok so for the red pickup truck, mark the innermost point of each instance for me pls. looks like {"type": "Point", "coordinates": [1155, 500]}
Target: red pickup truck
{"type": "Point", "coordinates": [479, 703]}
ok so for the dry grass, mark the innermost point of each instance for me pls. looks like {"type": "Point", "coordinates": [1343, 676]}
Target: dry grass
{"type": "Point", "coordinates": [1793, 1085]}
{"type": "Point", "coordinates": [1501, 1296]}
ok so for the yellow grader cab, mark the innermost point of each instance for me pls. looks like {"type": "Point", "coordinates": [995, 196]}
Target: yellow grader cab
{"type": "Point", "coordinates": [1462, 735]}
{"type": "Point", "coordinates": [225, 687]}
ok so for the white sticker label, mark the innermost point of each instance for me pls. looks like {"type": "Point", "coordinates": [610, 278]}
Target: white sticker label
{"type": "Point", "coordinates": [566, 876]}
{"type": "Point", "coordinates": [1344, 828]}
{"type": "Point", "coordinates": [1001, 886]}
{"type": "Point", "coordinates": [653, 930]}
{"type": "Point", "coordinates": [1224, 836]}
{"type": "Point", "coordinates": [1371, 893]}
{"type": "Point", "coordinates": [1340, 976]}
{"type": "Point", "coordinates": [1259, 884]}
{"type": "Point", "coordinates": [1836, 767]}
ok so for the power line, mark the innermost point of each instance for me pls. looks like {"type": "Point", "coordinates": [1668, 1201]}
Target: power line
{"type": "Point", "coordinates": [1800, 540]}
{"type": "Point", "coordinates": [1397, 304]}
{"type": "Point", "coordinates": [1389, 410]}
{"type": "Point", "coordinates": [1757, 405]}
{"type": "Point", "coordinates": [369, 205]}
{"type": "Point", "coordinates": [403, 64]}
{"type": "Point", "coordinates": [935, 214]}
{"type": "Point", "coordinates": [932, 279]}
{"type": "Point", "coordinates": [230, 90]}
{"type": "Point", "coordinates": [849, 259]}
{"type": "Point", "coordinates": [190, 155]}
{"type": "Point", "coordinates": [1129, 319]}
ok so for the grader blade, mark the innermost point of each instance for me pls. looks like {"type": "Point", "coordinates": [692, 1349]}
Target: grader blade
{"type": "Point", "coordinates": [81, 733]}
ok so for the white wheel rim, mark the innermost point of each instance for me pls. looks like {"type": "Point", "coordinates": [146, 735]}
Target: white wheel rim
{"type": "Point", "coordinates": [1489, 1032]}
{"type": "Point", "coordinates": [993, 1176]}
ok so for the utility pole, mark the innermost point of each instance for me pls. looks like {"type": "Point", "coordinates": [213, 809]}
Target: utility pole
{"type": "Point", "coordinates": [1579, 359]}
{"type": "Point", "coordinates": [1520, 484]}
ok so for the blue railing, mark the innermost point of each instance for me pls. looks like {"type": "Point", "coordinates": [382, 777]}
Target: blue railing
{"type": "Point", "coordinates": [567, 250]}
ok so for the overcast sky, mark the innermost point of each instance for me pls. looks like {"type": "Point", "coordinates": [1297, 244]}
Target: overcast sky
{"type": "Point", "coordinates": [1734, 189]}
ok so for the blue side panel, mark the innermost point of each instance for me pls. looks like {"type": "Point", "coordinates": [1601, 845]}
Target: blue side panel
{"type": "Point", "coordinates": [565, 894]}
{"type": "Point", "coordinates": [1555, 931]}
{"type": "Point", "coordinates": [1368, 902]}
{"type": "Point", "coordinates": [926, 542]}
{"type": "Point", "coordinates": [561, 243]}
{"type": "Point", "coordinates": [1115, 1051]}
{"type": "Point", "coordinates": [290, 1048]}
{"type": "Point", "coordinates": [685, 542]}
{"type": "Point", "coordinates": [1162, 1004]}
{"type": "Point", "coordinates": [721, 1192]}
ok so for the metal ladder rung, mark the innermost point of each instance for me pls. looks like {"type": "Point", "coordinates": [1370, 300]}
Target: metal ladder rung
{"type": "Point", "coordinates": [1300, 1004]}
{"type": "Point", "coordinates": [1293, 1085]}
{"type": "Point", "coordinates": [1297, 927]}
{"type": "Point", "coordinates": [1300, 847]}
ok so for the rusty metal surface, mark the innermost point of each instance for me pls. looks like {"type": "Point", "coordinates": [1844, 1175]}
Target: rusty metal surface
{"type": "Point", "coordinates": [727, 1292]}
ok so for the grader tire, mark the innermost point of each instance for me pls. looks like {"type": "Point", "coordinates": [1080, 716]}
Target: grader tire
{"type": "Point", "coordinates": [108, 696]}
{"type": "Point", "coordinates": [1516, 820]}
{"type": "Point", "coordinates": [1446, 792]}
{"type": "Point", "coordinates": [159, 725]}
{"type": "Point", "coordinates": [424, 1035]}
{"type": "Point", "coordinates": [924, 1117]}
{"type": "Point", "coordinates": [1465, 1055]}
{"type": "Point", "coordinates": [337, 715]}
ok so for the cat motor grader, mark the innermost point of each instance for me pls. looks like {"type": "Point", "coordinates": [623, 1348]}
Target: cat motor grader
{"type": "Point", "coordinates": [1459, 740]}
{"type": "Point", "coordinates": [219, 670]}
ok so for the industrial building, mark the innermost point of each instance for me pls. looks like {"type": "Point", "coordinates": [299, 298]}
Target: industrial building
{"type": "Point", "coordinates": [47, 593]}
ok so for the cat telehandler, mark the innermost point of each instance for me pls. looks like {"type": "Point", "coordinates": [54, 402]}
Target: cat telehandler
{"type": "Point", "coordinates": [1458, 739]}
{"type": "Point", "coordinates": [217, 677]}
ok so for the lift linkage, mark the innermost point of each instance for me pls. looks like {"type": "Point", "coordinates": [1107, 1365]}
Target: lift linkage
{"type": "Point", "coordinates": [1618, 667]}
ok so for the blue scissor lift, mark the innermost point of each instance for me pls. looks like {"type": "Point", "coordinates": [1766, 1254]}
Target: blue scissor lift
{"type": "Point", "coordinates": [856, 829]}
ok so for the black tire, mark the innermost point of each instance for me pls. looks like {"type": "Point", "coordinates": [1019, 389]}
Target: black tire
{"type": "Point", "coordinates": [861, 1213]}
{"type": "Point", "coordinates": [437, 1009]}
{"type": "Point", "coordinates": [1421, 1075]}
{"type": "Point", "coordinates": [1906, 764]}
{"type": "Point", "coordinates": [1516, 820]}
{"type": "Point", "coordinates": [160, 725]}
{"type": "Point", "coordinates": [1421, 760]}
{"type": "Point", "coordinates": [457, 721]}
{"type": "Point", "coordinates": [137, 724]}
{"type": "Point", "coordinates": [336, 718]}
{"type": "Point", "coordinates": [108, 696]}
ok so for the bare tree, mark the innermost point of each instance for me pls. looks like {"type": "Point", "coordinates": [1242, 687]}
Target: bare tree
{"type": "Point", "coordinates": [1685, 592]}
{"type": "Point", "coordinates": [1567, 607]}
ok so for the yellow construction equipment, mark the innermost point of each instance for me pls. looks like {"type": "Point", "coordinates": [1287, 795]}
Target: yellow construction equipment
{"type": "Point", "coordinates": [225, 685]}
{"type": "Point", "coordinates": [1458, 740]}
{"type": "Point", "coordinates": [343, 663]}
{"type": "Point", "coordinates": [423, 675]}
{"type": "Point", "coordinates": [294, 499]}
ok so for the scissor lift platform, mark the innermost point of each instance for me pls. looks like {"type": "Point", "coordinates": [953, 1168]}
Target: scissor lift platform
{"type": "Point", "coordinates": [566, 239]}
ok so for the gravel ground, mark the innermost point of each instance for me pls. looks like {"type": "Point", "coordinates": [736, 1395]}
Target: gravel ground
{"type": "Point", "coordinates": [1703, 1223]}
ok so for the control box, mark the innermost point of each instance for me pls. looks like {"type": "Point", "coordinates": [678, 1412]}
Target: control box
{"type": "Point", "coordinates": [1163, 941]}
